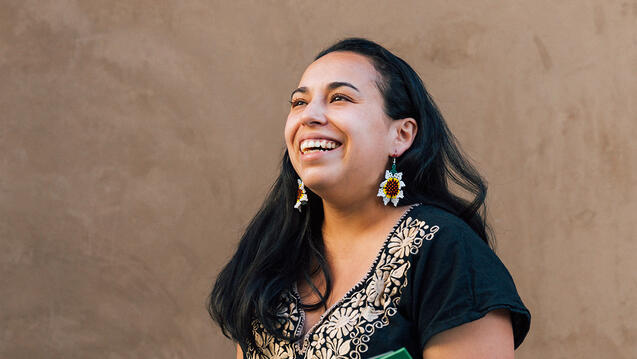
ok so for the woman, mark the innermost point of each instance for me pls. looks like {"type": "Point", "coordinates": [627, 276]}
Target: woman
{"type": "Point", "coordinates": [360, 247]}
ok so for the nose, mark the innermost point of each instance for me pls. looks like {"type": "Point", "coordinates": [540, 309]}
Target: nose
{"type": "Point", "coordinates": [313, 114]}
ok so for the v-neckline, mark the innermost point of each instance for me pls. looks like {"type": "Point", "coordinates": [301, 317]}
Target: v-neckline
{"type": "Point", "coordinates": [370, 272]}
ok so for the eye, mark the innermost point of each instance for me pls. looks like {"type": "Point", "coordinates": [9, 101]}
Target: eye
{"type": "Point", "coordinates": [337, 96]}
{"type": "Point", "coordinates": [295, 103]}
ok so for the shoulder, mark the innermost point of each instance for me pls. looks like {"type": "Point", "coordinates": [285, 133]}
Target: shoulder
{"type": "Point", "coordinates": [448, 248]}
{"type": "Point", "coordinates": [451, 245]}
{"type": "Point", "coordinates": [454, 259]}
{"type": "Point", "coordinates": [450, 229]}
{"type": "Point", "coordinates": [439, 216]}
{"type": "Point", "coordinates": [457, 278]}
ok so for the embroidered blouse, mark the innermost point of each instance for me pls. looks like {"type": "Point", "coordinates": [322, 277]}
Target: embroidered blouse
{"type": "Point", "coordinates": [432, 273]}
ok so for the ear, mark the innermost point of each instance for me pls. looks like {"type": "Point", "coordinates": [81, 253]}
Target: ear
{"type": "Point", "coordinates": [403, 132]}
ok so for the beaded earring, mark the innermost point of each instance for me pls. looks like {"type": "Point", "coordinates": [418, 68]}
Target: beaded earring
{"type": "Point", "coordinates": [391, 188]}
{"type": "Point", "coordinates": [301, 195]}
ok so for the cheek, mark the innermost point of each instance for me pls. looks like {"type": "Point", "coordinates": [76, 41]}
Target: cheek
{"type": "Point", "coordinates": [288, 132]}
{"type": "Point", "coordinates": [368, 137]}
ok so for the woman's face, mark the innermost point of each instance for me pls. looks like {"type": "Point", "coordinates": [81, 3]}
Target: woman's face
{"type": "Point", "coordinates": [338, 106]}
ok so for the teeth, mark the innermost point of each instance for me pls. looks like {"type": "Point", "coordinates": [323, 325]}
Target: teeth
{"type": "Point", "coordinates": [317, 145]}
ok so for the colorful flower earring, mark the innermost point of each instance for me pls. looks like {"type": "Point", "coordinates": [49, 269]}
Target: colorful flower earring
{"type": "Point", "coordinates": [301, 195]}
{"type": "Point", "coordinates": [391, 188]}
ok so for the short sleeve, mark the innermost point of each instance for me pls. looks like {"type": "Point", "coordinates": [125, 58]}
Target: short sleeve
{"type": "Point", "coordinates": [460, 279]}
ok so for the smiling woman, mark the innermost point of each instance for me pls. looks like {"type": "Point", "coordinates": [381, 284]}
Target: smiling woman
{"type": "Point", "coordinates": [361, 247]}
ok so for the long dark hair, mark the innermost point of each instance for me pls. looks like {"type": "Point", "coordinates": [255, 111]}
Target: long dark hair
{"type": "Point", "coordinates": [279, 243]}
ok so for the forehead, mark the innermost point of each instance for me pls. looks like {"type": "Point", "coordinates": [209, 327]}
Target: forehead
{"type": "Point", "coordinates": [340, 66]}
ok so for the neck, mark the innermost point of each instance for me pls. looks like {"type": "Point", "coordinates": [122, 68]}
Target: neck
{"type": "Point", "coordinates": [350, 225]}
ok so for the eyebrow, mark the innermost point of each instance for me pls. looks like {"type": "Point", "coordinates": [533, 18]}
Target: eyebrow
{"type": "Point", "coordinates": [330, 86]}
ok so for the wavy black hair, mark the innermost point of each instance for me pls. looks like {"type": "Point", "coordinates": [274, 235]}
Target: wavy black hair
{"type": "Point", "coordinates": [280, 244]}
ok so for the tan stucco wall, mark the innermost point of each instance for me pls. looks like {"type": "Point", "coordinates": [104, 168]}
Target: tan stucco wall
{"type": "Point", "coordinates": [137, 138]}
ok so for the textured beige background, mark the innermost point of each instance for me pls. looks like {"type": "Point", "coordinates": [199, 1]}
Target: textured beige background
{"type": "Point", "coordinates": [137, 138]}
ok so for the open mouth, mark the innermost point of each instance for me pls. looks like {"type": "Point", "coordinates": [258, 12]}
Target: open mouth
{"type": "Point", "coordinates": [315, 145]}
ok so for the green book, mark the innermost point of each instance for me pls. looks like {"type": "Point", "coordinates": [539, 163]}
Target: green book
{"type": "Point", "coordinates": [401, 353]}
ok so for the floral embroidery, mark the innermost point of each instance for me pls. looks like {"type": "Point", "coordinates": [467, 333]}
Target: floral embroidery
{"type": "Point", "coordinates": [376, 290]}
{"type": "Point", "coordinates": [287, 315]}
{"type": "Point", "coordinates": [370, 314]}
{"type": "Point", "coordinates": [343, 330]}
{"type": "Point", "coordinates": [342, 323]}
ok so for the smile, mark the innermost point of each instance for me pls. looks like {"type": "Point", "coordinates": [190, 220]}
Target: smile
{"type": "Point", "coordinates": [314, 145]}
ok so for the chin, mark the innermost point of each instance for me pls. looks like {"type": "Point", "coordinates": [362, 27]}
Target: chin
{"type": "Point", "coordinates": [315, 186]}
{"type": "Point", "coordinates": [318, 185]}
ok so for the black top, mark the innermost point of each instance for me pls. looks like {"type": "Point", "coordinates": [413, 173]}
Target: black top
{"type": "Point", "coordinates": [433, 273]}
